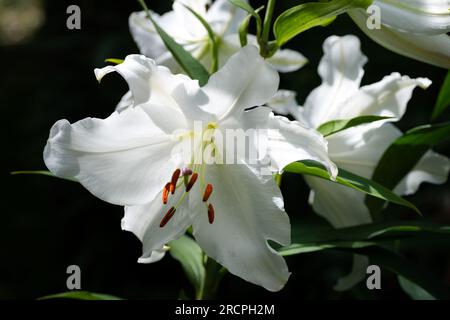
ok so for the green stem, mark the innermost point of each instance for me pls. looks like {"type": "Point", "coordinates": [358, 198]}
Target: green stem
{"type": "Point", "coordinates": [214, 273]}
{"type": "Point", "coordinates": [266, 27]}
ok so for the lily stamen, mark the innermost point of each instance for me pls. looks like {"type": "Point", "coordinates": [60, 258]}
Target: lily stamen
{"type": "Point", "coordinates": [174, 180]}
{"type": "Point", "coordinates": [167, 217]}
{"type": "Point", "coordinates": [165, 193]}
{"type": "Point", "coordinates": [191, 182]}
{"type": "Point", "coordinates": [210, 213]}
{"type": "Point", "coordinates": [207, 193]}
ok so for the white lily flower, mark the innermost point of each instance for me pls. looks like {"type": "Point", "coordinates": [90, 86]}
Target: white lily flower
{"type": "Point", "coordinates": [360, 148]}
{"type": "Point", "coordinates": [133, 158]}
{"type": "Point", "coordinates": [224, 19]}
{"type": "Point", "coordinates": [413, 28]}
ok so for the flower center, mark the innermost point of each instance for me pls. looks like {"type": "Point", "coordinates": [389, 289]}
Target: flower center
{"type": "Point", "coordinates": [185, 178]}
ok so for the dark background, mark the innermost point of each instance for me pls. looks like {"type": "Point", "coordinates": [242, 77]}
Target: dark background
{"type": "Point", "coordinates": [48, 224]}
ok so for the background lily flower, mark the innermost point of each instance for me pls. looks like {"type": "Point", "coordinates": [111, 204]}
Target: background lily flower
{"type": "Point", "coordinates": [360, 148]}
{"type": "Point", "coordinates": [134, 158]}
{"type": "Point", "coordinates": [414, 28]}
{"type": "Point", "coordinates": [357, 149]}
{"type": "Point", "coordinates": [224, 19]}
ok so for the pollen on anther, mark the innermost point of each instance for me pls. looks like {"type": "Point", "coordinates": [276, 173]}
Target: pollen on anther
{"type": "Point", "coordinates": [207, 193]}
{"type": "Point", "coordinates": [167, 217]}
{"type": "Point", "coordinates": [191, 182]}
{"type": "Point", "coordinates": [165, 193]}
{"type": "Point", "coordinates": [174, 180]}
{"type": "Point", "coordinates": [210, 213]}
{"type": "Point", "coordinates": [186, 172]}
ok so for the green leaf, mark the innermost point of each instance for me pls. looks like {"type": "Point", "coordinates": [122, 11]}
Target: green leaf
{"type": "Point", "coordinates": [413, 290]}
{"type": "Point", "coordinates": [42, 172]}
{"type": "Point", "coordinates": [403, 154]}
{"type": "Point", "coordinates": [190, 65]}
{"type": "Point", "coordinates": [114, 60]}
{"type": "Point", "coordinates": [377, 241]}
{"type": "Point", "coordinates": [186, 251]}
{"type": "Point", "coordinates": [80, 295]}
{"type": "Point", "coordinates": [443, 100]}
{"type": "Point", "coordinates": [298, 248]}
{"type": "Point", "coordinates": [245, 6]}
{"type": "Point", "coordinates": [335, 126]}
{"type": "Point", "coordinates": [308, 15]}
{"type": "Point", "coordinates": [350, 180]}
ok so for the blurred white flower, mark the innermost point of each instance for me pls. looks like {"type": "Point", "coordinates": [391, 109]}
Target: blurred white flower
{"type": "Point", "coordinates": [132, 158]}
{"type": "Point", "coordinates": [413, 28]}
{"type": "Point", "coordinates": [360, 148]}
{"type": "Point", "coordinates": [224, 19]}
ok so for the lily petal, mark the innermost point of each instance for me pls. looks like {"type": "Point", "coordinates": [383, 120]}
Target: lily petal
{"type": "Point", "coordinates": [340, 205]}
{"type": "Point", "coordinates": [146, 80]}
{"type": "Point", "coordinates": [287, 60]}
{"type": "Point", "coordinates": [387, 98]}
{"type": "Point", "coordinates": [433, 49]}
{"type": "Point", "coordinates": [290, 141]}
{"type": "Point", "coordinates": [123, 159]}
{"type": "Point", "coordinates": [341, 70]}
{"type": "Point", "coordinates": [144, 221]}
{"type": "Point", "coordinates": [416, 16]}
{"type": "Point", "coordinates": [244, 82]}
{"type": "Point", "coordinates": [248, 212]}
{"type": "Point", "coordinates": [284, 102]}
{"type": "Point", "coordinates": [284, 60]}
{"type": "Point", "coordinates": [432, 168]}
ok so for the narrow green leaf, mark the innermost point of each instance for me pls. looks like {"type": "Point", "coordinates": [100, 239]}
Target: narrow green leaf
{"type": "Point", "coordinates": [403, 154]}
{"type": "Point", "coordinates": [244, 6]}
{"type": "Point", "coordinates": [114, 60]}
{"type": "Point", "coordinates": [312, 14]}
{"type": "Point", "coordinates": [350, 180]}
{"type": "Point", "coordinates": [42, 172]}
{"type": "Point", "coordinates": [335, 126]}
{"type": "Point", "coordinates": [299, 248]}
{"type": "Point", "coordinates": [190, 65]}
{"type": "Point", "coordinates": [188, 253]}
{"type": "Point", "coordinates": [80, 295]}
{"type": "Point", "coordinates": [413, 290]}
{"type": "Point", "coordinates": [443, 101]}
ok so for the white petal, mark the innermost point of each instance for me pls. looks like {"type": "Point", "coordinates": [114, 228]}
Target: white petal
{"type": "Point", "coordinates": [287, 60]}
{"type": "Point", "coordinates": [434, 50]}
{"type": "Point", "coordinates": [416, 16]}
{"type": "Point", "coordinates": [340, 205]}
{"type": "Point", "coordinates": [358, 273]}
{"type": "Point", "coordinates": [145, 35]}
{"type": "Point", "coordinates": [359, 149]}
{"type": "Point", "coordinates": [144, 221]}
{"type": "Point", "coordinates": [248, 212]}
{"type": "Point", "coordinates": [125, 102]}
{"type": "Point", "coordinates": [124, 159]}
{"type": "Point", "coordinates": [147, 81]}
{"type": "Point", "coordinates": [245, 81]}
{"type": "Point", "coordinates": [432, 168]}
{"type": "Point", "coordinates": [224, 17]}
{"type": "Point", "coordinates": [388, 98]}
{"type": "Point", "coordinates": [155, 256]}
{"type": "Point", "coordinates": [284, 103]}
{"type": "Point", "coordinates": [284, 60]}
{"type": "Point", "coordinates": [290, 141]}
{"type": "Point", "coordinates": [341, 70]}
